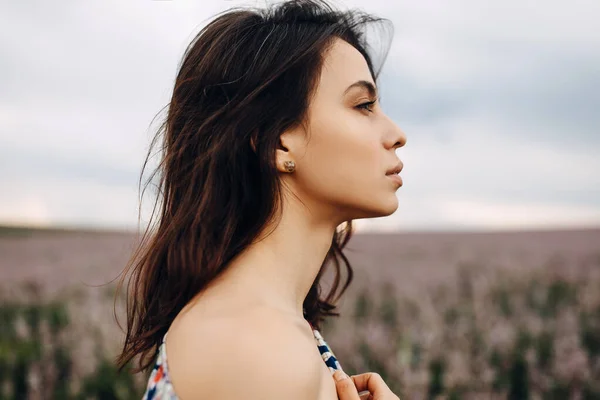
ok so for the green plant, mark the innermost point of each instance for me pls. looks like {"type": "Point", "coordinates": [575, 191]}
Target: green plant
{"type": "Point", "coordinates": [437, 369]}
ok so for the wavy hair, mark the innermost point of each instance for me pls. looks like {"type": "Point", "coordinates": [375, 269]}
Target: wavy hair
{"type": "Point", "coordinates": [245, 78]}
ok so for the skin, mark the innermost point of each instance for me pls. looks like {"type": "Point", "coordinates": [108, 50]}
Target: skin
{"type": "Point", "coordinates": [370, 385]}
{"type": "Point", "coordinates": [219, 345]}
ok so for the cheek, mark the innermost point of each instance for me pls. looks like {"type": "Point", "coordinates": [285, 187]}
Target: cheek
{"type": "Point", "coordinates": [356, 146]}
{"type": "Point", "coordinates": [343, 155]}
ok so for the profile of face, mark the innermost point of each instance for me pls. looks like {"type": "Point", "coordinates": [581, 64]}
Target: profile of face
{"type": "Point", "coordinates": [343, 161]}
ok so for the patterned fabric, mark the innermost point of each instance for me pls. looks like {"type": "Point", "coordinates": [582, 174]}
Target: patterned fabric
{"type": "Point", "coordinates": [326, 352]}
{"type": "Point", "coordinates": [159, 384]}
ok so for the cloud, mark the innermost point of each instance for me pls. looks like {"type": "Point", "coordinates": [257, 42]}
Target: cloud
{"type": "Point", "coordinates": [498, 100]}
{"type": "Point", "coordinates": [446, 213]}
{"type": "Point", "coordinates": [50, 202]}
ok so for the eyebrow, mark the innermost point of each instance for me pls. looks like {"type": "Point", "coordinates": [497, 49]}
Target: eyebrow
{"type": "Point", "coordinates": [365, 85]}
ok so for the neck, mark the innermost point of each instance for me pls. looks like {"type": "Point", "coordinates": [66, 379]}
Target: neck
{"type": "Point", "coordinates": [280, 268]}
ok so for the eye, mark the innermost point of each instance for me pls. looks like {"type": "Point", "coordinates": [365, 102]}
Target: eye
{"type": "Point", "coordinates": [367, 106]}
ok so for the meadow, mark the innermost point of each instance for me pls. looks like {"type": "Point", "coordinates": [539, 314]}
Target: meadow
{"type": "Point", "coordinates": [505, 315]}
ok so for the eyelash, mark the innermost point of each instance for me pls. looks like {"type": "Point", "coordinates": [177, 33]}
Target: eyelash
{"type": "Point", "coordinates": [364, 106]}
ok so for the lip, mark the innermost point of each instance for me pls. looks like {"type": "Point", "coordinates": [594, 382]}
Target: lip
{"type": "Point", "coordinates": [396, 178]}
{"type": "Point", "coordinates": [396, 169]}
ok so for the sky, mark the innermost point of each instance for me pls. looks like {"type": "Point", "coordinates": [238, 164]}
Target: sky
{"type": "Point", "coordinates": [499, 100]}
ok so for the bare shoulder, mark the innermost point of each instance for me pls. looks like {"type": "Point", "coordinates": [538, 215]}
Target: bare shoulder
{"type": "Point", "coordinates": [258, 356]}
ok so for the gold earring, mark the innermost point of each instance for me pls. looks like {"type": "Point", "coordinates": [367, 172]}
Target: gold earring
{"type": "Point", "coordinates": [290, 166]}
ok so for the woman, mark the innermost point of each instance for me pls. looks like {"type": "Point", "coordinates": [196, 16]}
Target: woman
{"type": "Point", "coordinates": [274, 142]}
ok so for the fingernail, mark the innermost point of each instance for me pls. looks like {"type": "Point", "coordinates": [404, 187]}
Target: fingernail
{"type": "Point", "coordinates": [339, 375]}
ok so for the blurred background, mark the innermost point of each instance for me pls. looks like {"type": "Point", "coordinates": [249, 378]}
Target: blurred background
{"type": "Point", "coordinates": [484, 284]}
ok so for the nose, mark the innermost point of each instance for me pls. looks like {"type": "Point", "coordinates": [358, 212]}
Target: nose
{"type": "Point", "coordinates": [396, 137]}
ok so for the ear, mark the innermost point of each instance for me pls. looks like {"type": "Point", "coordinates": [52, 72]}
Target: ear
{"type": "Point", "coordinates": [291, 147]}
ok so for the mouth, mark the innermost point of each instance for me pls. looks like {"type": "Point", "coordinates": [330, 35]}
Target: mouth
{"type": "Point", "coordinates": [396, 169]}
{"type": "Point", "coordinates": [396, 178]}
{"type": "Point", "coordinates": [393, 173]}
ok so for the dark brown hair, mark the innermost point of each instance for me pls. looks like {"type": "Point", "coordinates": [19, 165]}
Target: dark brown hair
{"type": "Point", "coordinates": [245, 78]}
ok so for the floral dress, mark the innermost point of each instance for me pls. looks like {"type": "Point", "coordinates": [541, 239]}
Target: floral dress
{"type": "Point", "coordinates": [159, 384]}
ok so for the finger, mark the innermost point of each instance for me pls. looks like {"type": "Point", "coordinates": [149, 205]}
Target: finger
{"type": "Point", "coordinates": [345, 386]}
{"type": "Point", "coordinates": [371, 381]}
{"type": "Point", "coordinates": [365, 395]}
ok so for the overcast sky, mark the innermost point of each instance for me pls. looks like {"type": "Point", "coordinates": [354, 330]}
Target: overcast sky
{"type": "Point", "coordinates": [500, 101]}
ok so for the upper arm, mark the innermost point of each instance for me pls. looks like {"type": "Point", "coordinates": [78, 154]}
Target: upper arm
{"type": "Point", "coordinates": [270, 362]}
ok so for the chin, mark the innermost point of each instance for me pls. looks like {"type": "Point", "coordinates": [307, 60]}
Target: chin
{"type": "Point", "coordinates": [379, 209]}
{"type": "Point", "coordinates": [390, 208]}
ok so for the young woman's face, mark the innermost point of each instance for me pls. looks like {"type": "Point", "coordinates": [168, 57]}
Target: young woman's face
{"type": "Point", "coordinates": [341, 164]}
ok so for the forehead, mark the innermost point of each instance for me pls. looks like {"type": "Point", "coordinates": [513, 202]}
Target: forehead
{"type": "Point", "coordinates": [342, 66]}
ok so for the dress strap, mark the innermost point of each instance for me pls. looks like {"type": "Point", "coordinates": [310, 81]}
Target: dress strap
{"type": "Point", "coordinates": [326, 353]}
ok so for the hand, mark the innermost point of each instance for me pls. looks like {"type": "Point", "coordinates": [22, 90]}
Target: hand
{"type": "Point", "coordinates": [371, 383]}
